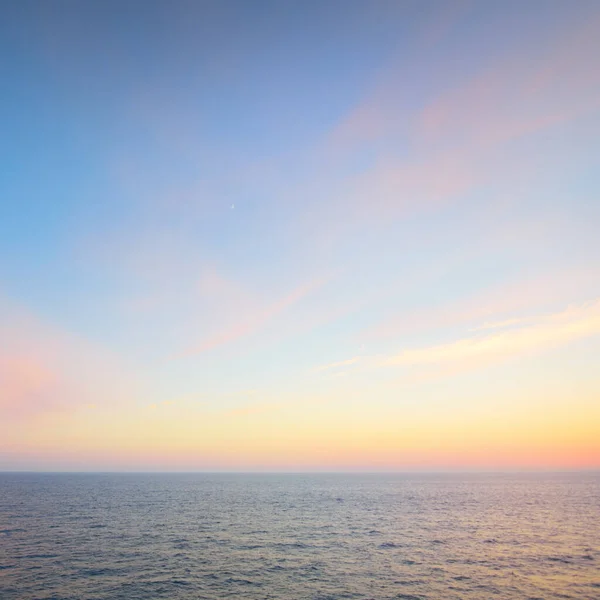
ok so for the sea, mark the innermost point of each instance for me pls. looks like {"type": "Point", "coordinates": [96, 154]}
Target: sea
{"type": "Point", "coordinates": [296, 536]}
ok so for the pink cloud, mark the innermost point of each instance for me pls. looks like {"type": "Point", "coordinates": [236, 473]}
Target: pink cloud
{"type": "Point", "coordinates": [369, 121]}
{"type": "Point", "coordinates": [454, 138]}
{"type": "Point", "coordinates": [390, 188]}
{"type": "Point", "coordinates": [567, 68]}
{"type": "Point", "coordinates": [378, 116]}
{"type": "Point", "coordinates": [28, 385]}
{"type": "Point", "coordinates": [45, 369]}
{"type": "Point", "coordinates": [518, 96]}
{"type": "Point", "coordinates": [256, 319]}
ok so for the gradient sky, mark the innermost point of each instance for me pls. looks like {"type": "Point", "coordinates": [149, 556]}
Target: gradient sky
{"type": "Point", "coordinates": [330, 235]}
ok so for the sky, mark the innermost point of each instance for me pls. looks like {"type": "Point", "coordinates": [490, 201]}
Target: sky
{"type": "Point", "coordinates": [299, 236]}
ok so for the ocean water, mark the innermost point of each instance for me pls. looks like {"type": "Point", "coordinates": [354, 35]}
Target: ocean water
{"type": "Point", "coordinates": [204, 536]}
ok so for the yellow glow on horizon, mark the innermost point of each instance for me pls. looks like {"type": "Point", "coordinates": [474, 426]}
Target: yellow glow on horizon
{"type": "Point", "coordinates": [290, 438]}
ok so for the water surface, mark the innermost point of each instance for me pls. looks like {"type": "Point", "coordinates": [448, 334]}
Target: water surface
{"type": "Point", "coordinates": [201, 536]}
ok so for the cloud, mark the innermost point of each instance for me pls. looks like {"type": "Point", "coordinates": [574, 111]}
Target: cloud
{"type": "Point", "coordinates": [502, 324]}
{"type": "Point", "coordinates": [398, 188]}
{"type": "Point", "coordinates": [28, 385]}
{"type": "Point", "coordinates": [337, 365]}
{"type": "Point", "coordinates": [377, 115]}
{"type": "Point", "coordinates": [44, 369]}
{"type": "Point", "coordinates": [550, 331]}
{"type": "Point", "coordinates": [570, 66]}
{"type": "Point", "coordinates": [526, 92]}
{"type": "Point", "coordinates": [535, 334]}
{"type": "Point", "coordinates": [488, 307]}
{"type": "Point", "coordinates": [258, 319]}
{"type": "Point", "coordinates": [451, 141]}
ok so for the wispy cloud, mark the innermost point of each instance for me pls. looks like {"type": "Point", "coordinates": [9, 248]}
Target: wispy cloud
{"type": "Point", "coordinates": [337, 365]}
{"type": "Point", "coordinates": [498, 303]}
{"type": "Point", "coordinates": [523, 336]}
{"type": "Point", "coordinates": [44, 369]}
{"type": "Point", "coordinates": [545, 333]}
{"type": "Point", "coordinates": [454, 135]}
{"type": "Point", "coordinates": [28, 385]}
{"type": "Point", "coordinates": [256, 321]}
{"type": "Point", "coordinates": [502, 324]}
{"type": "Point", "coordinates": [518, 96]}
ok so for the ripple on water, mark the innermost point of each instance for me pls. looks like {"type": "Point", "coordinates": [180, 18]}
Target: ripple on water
{"type": "Point", "coordinates": [185, 537]}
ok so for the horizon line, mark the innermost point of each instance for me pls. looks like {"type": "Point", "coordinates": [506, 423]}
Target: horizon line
{"type": "Point", "coordinates": [591, 470]}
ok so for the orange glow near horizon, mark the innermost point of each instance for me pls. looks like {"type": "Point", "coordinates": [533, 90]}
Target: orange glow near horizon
{"type": "Point", "coordinates": [285, 438]}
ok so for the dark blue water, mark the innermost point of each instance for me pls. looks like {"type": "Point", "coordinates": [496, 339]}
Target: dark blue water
{"type": "Point", "coordinates": [199, 536]}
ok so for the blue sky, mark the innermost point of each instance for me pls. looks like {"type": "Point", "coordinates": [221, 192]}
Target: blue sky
{"type": "Point", "coordinates": [252, 207]}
